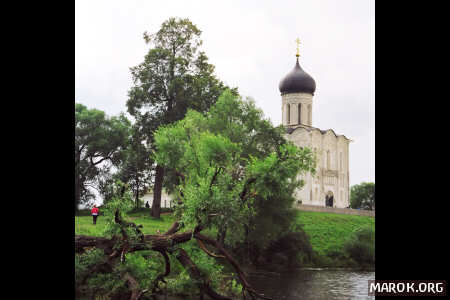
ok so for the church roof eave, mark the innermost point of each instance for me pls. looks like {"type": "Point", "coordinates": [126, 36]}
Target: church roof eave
{"type": "Point", "coordinates": [290, 130]}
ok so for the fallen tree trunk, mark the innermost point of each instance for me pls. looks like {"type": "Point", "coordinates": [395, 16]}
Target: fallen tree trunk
{"type": "Point", "coordinates": [195, 274]}
{"type": "Point", "coordinates": [163, 243]}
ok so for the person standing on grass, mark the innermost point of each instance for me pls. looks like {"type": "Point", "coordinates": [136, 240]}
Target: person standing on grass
{"type": "Point", "coordinates": [94, 213]}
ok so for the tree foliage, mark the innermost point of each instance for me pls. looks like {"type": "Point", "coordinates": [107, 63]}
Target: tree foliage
{"type": "Point", "coordinates": [99, 142]}
{"type": "Point", "coordinates": [363, 196]}
{"type": "Point", "coordinates": [234, 165]}
{"type": "Point", "coordinates": [136, 168]}
{"type": "Point", "coordinates": [174, 77]}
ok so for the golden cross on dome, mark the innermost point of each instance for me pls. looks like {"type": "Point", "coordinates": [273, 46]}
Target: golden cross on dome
{"type": "Point", "coordinates": [298, 44]}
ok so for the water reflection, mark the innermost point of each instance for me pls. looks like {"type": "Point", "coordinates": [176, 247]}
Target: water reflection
{"type": "Point", "coordinates": [314, 284]}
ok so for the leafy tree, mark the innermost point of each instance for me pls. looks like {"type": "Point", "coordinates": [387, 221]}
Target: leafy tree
{"type": "Point", "coordinates": [99, 141]}
{"type": "Point", "coordinates": [363, 196]}
{"type": "Point", "coordinates": [234, 165]}
{"type": "Point", "coordinates": [174, 76]}
{"type": "Point", "coordinates": [136, 167]}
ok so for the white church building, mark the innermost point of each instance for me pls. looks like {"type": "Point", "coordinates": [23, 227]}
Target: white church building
{"type": "Point", "coordinates": [330, 185]}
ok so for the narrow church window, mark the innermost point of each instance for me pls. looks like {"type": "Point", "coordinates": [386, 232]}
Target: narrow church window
{"type": "Point", "coordinates": [340, 160]}
{"type": "Point", "coordinates": [316, 194]}
{"type": "Point", "coordinates": [328, 159]}
{"type": "Point", "coordinates": [299, 113]}
{"type": "Point", "coordinates": [288, 114]}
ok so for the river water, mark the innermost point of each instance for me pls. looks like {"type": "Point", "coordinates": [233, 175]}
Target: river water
{"type": "Point", "coordinates": [315, 284]}
{"type": "Point", "coordinates": [308, 284]}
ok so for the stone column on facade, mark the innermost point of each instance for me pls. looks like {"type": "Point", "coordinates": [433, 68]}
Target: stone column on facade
{"type": "Point", "coordinates": [294, 114]}
{"type": "Point", "coordinates": [310, 115]}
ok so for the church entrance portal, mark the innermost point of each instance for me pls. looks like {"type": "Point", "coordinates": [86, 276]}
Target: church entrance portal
{"type": "Point", "coordinates": [329, 199]}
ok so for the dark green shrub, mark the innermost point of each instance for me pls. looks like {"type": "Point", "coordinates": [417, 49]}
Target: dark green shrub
{"type": "Point", "coordinates": [292, 249]}
{"type": "Point", "coordinates": [361, 247]}
{"type": "Point", "coordinates": [100, 282]}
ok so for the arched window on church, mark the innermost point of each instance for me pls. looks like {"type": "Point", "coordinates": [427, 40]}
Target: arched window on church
{"type": "Point", "coordinates": [328, 159]}
{"type": "Point", "coordinates": [288, 112]}
{"type": "Point", "coordinates": [309, 115]}
{"type": "Point", "coordinates": [340, 160]}
{"type": "Point", "coordinates": [299, 113]}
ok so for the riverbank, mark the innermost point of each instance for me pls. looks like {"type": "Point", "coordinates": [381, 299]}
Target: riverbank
{"type": "Point", "coordinates": [327, 232]}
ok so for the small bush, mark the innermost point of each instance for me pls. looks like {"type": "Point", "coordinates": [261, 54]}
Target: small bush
{"type": "Point", "coordinates": [290, 250]}
{"type": "Point", "coordinates": [361, 247]}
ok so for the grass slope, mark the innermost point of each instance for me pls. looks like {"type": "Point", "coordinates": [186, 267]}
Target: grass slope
{"type": "Point", "coordinates": [84, 226]}
{"type": "Point", "coordinates": [328, 231]}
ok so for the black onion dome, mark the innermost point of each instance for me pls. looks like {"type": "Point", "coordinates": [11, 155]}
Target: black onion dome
{"type": "Point", "coordinates": [297, 81]}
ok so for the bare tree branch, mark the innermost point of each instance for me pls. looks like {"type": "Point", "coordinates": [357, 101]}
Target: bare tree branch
{"type": "Point", "coordinates": [203, 247]}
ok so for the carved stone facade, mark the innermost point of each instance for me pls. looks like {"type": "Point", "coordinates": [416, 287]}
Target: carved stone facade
{"type": "Point", "coordinates": [330, 184]}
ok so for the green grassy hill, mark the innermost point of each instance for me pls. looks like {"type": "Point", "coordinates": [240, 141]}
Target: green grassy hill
{"type": "Point", "coordinates": [327, 231]}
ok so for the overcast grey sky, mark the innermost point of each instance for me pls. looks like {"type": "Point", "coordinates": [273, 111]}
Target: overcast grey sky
{"type": "Point", "coordinates": [252, 45]}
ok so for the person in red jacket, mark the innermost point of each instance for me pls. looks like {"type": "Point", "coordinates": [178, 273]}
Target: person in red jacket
{"type": "Point", "coordinates": [94, 213]}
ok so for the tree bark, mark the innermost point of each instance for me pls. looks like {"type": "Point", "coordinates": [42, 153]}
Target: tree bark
{"type": "Point", "coordinates": [137, 192]}
{"type": "Point", "coordinates": [194, 272]}
{"type": "Point", "coordinates": [77, 191]}
{"type": "Point", "coordinates": [157, 189]}
{"type": "Point", "coordinates": [77, 179]}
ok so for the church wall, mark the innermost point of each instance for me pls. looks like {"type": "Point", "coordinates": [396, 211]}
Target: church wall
{"type": "Point", "coordinates": [333, 179]}
{"type": "Point", "coordinates": [294, 113]}
{"type": "Point", "coordinates": [302, 138]}
{"type": "Point", "coordinates": [342, 151]}
{"type": "Point", "coordinates": [317, 183]}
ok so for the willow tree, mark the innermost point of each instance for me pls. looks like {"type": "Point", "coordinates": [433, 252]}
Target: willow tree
{"type": "Point", "coordinates": [174, 77]}
{"type": "Point", "coordinates": [233, 164]}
